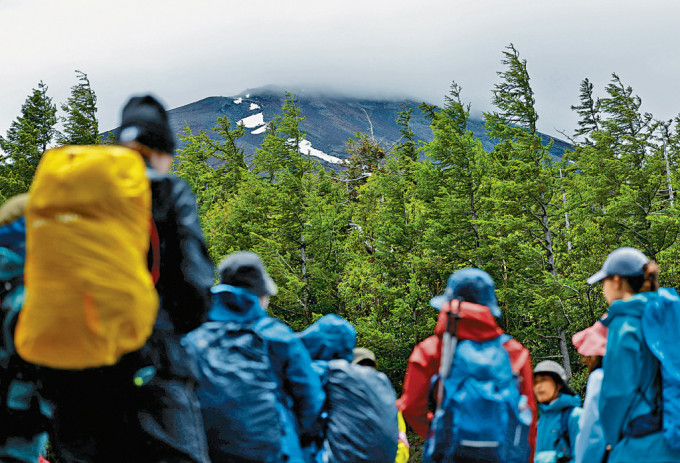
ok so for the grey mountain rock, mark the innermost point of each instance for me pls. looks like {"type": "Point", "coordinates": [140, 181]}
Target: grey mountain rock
{"type": "Point", "coordinates": [330, 120]}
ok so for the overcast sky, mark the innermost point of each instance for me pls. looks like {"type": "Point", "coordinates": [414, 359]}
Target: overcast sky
{"type": "Point", "coordinates": [184, 51]}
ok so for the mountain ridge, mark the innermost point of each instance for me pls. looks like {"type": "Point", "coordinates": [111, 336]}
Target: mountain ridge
{"type": "Point", "coordinates": [331, 119]}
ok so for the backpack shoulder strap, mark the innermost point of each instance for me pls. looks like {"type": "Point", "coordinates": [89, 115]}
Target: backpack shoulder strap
{"type": "Point", "coordinates": [564, 429]}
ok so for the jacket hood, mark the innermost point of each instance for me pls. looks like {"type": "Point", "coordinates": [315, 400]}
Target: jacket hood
{"type": "Point", "coordinates": [563, 401]}
{"type": "Point", "coordinates": [634, 306]}
{"type": "Point", "coordinates": [330, 337]}
{"type": "Point", "coordinates": [231, 303]}
{"type": "Point", "coordinates": [476, 321]}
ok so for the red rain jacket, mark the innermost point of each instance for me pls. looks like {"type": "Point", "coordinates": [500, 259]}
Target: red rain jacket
{"type": "Point", "coordinates": [477, 324]}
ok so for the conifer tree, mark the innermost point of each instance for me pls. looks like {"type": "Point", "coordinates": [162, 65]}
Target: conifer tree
{"type": "Point", "coordinates": [80, 122]}
{"type": "Point", "coordinates": [588, 111]}
{"type": "Point", "coordinates": [458, 162]}
{"type": "Point", "coordinates": [214, 168]}
{"type": "Point", "coordinates": [26, 140]}
{"type": "Point", "coordinates": [304, 218]}
{"type": "Point", "coordinates": [366, 155]}
{"type": "Point", "coordinates": [522, 184]}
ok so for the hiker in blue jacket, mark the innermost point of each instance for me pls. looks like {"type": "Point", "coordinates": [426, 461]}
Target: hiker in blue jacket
{"type": "Point", "coordinates": [630, 395]}
{"type": "Point", "coordinates": [242, 298]}
{"type": "Point", "coordinates": [591, 343]}
{"type": "Point", "coordinates": [559, 414]}
{"type": "Point", "coordinates": [24, 414]}
{"type": "Point", "coordinates": [360, 415]}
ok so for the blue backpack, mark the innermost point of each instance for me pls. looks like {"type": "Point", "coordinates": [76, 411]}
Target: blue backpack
{"type": "Point", "coordinates": [237, 391]}
{"type": "Point", "coordinates": [660, 327]}
{"type": "Point", "coordinates": [480, 415]}
{"type": "Point", "coordinates": [23, 411]}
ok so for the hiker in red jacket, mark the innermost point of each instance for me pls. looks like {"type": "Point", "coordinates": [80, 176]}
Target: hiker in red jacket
{"type": "Point", "coordinates": [478, 309]}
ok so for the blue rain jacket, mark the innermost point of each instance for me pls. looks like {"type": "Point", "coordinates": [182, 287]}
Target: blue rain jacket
{"type": "Point", "coordinates": [549, 424]}
{"type": "Point", "coordinates": [301, 396]}
{"type": "Point", "coordinates": [628, 386]}
{"type": "Point", "coordinates": [13, 237]}
{"type": "Point", "coordinates": [23, 395]}
{"type": "Point", "coordinates": [329, 338]}
{"type": "Point", "coordinates": [590, 443]}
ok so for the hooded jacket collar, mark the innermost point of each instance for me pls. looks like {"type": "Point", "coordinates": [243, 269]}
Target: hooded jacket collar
{"type": "Point", "coordinates": [231, 303]}
{"type": "Point", "coordinates": [330, 337]}
{"type": "Point", "coordinates": [476, 321]}
{"type": "Point", "coordinates": [634, 306]}
{"type": "Point", "coordinates": [563, 401]}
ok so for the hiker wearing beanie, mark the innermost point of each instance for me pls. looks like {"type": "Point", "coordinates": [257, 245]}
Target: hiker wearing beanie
{"type": "Point", "coordinates": [639, 406]}
{"type": "Point", "coordinates": [559, 413]}
{"type": "Point", "coordinates": [591, 343]}
{"type": "Point", "coordinates": [140, 275]}
{"type": "Point", "coordinates": [258, 392]}
{"type": "Point", "coordinates": [466, 330]}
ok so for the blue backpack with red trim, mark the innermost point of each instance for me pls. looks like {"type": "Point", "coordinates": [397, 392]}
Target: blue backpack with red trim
{"type": "Point", "coordinates": [480, 415]}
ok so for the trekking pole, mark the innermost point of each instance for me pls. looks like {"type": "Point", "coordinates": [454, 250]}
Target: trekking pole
{"type": "Point", "coordinates": [449, 344]}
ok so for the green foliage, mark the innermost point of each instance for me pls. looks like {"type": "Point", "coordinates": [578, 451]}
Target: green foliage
{"type": "Point", "coordinates": [26, 140]}
{"type": "Point", "coordinates": [375, 241]}
{"type": "Point", "coordinates": [80, 122]}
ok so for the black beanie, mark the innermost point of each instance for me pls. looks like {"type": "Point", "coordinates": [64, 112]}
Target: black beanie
{"type": "Point", "coordinates": [246, 270]}
{"type": "Point", "coordinates": [144, 120]}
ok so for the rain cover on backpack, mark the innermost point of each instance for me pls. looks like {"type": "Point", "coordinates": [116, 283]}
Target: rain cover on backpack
{"type": "Point", "coordinates": [89, 294]}
{"type": "Point", "coordinates": [481, 415]}
{"type": "Point", "coordinates": [237, 391]}
{"type": "Point", "coordinates": [660, 326]}
{"type": "Point", "coordinates": [362, 421]}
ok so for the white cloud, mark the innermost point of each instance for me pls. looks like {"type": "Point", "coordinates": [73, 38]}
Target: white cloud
{"type": "Point", "coordinates": [376, 48]}
{"type": "Point", "coordinates": [254, 106]}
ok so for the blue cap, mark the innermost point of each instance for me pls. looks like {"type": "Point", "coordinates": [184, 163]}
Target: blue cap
{"type": "Point", "coordinates": [472, 285]}
{"type": "Point", "coordinates": [623, 261]}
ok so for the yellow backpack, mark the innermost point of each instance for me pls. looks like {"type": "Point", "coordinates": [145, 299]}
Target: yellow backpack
{"type": "Point", "coordinates": [90, 297]}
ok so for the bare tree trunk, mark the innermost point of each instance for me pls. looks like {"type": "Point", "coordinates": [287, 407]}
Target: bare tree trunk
{"type": "Point", "coordinates": [668, 166]}
{"type": "Point", "coordinates": [303, 257]}
{"type": "Point", "coordinates": [564, 350]}
{"type": "Point", "coordinates": [566, 214]}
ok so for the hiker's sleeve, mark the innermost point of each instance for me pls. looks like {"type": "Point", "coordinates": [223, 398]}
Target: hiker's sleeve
{"type": "Point", "coordinates": [413, 403]}
{"type": "Point", "coordinates": [402, 445]}
{"type": "Point", "coordinates": [527, 389]}
{"type": "Point", "coordinates": [521, 365]}
{"type": "Point", "coordinates": [197, 270]}
{"type": "Point", "coordinates": [304, 386]}
{"type": "Point", "coordinates": [622, 367]}
{"type": "Point", "coordinates": [574, 427]}
{"type": "Point", "coordinates": [590, 441]}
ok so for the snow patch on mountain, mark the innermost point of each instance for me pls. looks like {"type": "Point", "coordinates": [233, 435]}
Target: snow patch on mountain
{"type": "Point", "coordinates": [251, 122]}
{"type": "Point", "coordinates": [254, 106]}
{"type": "Point", "coordinates": [305, 147]}
{"type": "Point", "coordinates": [260, 130]}
{"type": "Point", "coordinates": [238, 100]}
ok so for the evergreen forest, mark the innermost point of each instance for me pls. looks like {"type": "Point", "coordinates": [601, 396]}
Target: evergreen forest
{"type": "Point", "coordinates": [376, 239]}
